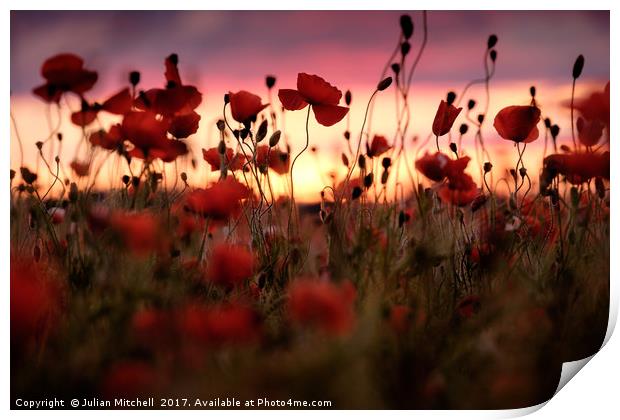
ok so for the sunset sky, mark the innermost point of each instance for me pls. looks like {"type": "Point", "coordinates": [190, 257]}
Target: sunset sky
{"type": "Point", "coordinates": [222, 51]}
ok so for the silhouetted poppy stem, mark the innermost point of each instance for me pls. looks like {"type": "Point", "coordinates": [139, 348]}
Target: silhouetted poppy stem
{"type": "Point", "coordinates": [290, 216]}
{"type": "Point", "coordinates": [437, 143]}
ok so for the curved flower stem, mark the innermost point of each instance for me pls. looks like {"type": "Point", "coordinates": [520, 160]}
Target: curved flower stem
{"type": "Point", "coordinates": [572, 109]}
{"type": "Point", "coordinates": [437, 143]}
{"type": "Point", "coordinates": [292, 204]}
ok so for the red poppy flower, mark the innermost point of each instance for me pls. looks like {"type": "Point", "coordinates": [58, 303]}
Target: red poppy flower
{"type": "Point", "coordinates": [144, 130]}
{"type": "Point", "coordinates": [109, 140]}
{"type": "Point", "coordinates": [220, 201]}
{"type": "Point", "coordinates": [400, 318]}
{"type": "Point", "coordinates": [230, 265]}
{"type": "Point", "coordinates": [518, 123]}
{"type": "Point", "coordinates": [119, 103]}
{"type": "Point", "coordinates": [35, 302]}
{"type": "Point", "coordinates": [595, 106]}
{"type": "Point", "coordinates": [184, 125]}
{"type": "Point", "coordinates": [234, 162]}
{"type": "Point", "coordinates": [152, 327]}
{"type": "Point", "coordinates": [459, 197]}
{"type": "Point", "coordinates": [64, 73]}
{"type": "Point", "coordinates": [130, 379]}
{"type": "Point", "coordinates": [81, 169]}
{"type": "Point", "coordinates": [244, 106]}
{"type": "Point", "coordinates": [590, 132]}
{"type": "Point", "coordinates": [433, 166]}
{"type": "Point", "coordinates": [140, 232]}
{"type": "Point", "coordinates": [444, 118]}
{"type": "Point", "coordinates": [378, 146]}
{"type": "Point", "coordinates": [468, 306]}
{"type": "Point", "coordinates": [579, 167]}
{"type": "Point", "coordinates": [322, 305]}
{"type": "Point", "coordinates": [83, 117]}
{"type": "Point", "coordinates": [314, 91]}
{"type": "Point", "coordinates": [274, 159]}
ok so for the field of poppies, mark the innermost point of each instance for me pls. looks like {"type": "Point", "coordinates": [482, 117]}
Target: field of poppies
{"type": "Point", "coordinates": [467, 291]}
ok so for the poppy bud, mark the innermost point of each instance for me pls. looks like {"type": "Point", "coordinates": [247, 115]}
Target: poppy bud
{"type": "Point", "coordinates": [533, 91]}
{"type": "Point", "coordinates": [275, 138]}
{"type": "Point", "coordinates": [492, 41]}
{"type": "Point", "coordinates": [513, 174]}
{"type": "Point", "coordinates": [450, 98]}
{"type": "Point", "coordinates": [555, 130]}
{"type": "Point", "coordinates": [368, 179]}
{"type": "Point", "coordinates": [493, 55]}
{"type": "Point", "coordinates": [384, 84]}
{"type": "Point", "coordinates": [261, 133]}
{"type": "Point", "coordinates": [183, 177]}
{"type": "Point", "coordinates": [221, 125]}
{"type": "Point", "coordinates": [522, 172]}
{"type": "Point", "coordinates": [135, 182]}
{"type": "Point", "coordinates": [125, 179]}
{"type": "Point", "coordinates": [27, 176]}
{"type": "Point", "coordinates": [39, 145]}
{"type": "Point", "coordinates": [347, 97]}
{"type": "Point", "coordinates": [453, 147]}
{"type": "Point", "coordinates": [57, 159]}
{"type": "Point", "coordinates": [270, 81]}
{"type": "Point", "coordinates": [386, 162]}
{"type": "Point", "coordinates": [134, 78]}
{"type": "Point", "coordinates": [600, 187]}
{"type": "Point", "coordinates": [226, 98]}
{"type": "Point", "coordinates": [221, 148]}
{"type": "Point", "coordinates": [480, 118]}
{"type": "Point", "coordinates": [396, 68]}
{"type": "Point", "coordinates": [487, 167]}
{"type": "Point", "coordinates": [547, 123]}
{"type": "Point", "coordinates": [463, 129]}
{"type": "Point", "coordinates": [361, 161]}
{"type": "Point", "coordinates": [236, 134]}
{"type": "Point", "coordinates": [73, 192]}
{"type": "Point", "coordinates": [578, 66]}
{"type": "Point", "coordinates": [244, 133]}
{"type": "Point", "coordinates": [347, 135]}
{"type": "Point", "coordinates": [357, 192]}
{"type": "Point", "coordinates": [12, 174]}
{"type": "Point", "coordinates": [406, 25]}
{"type": "Point", "coordinates": [345, 160]}
{"type": "Point", "coordinates": [384, 177]}
{"type": "Point", "coordinates": [471, 104]}
{"type": "Point", "coordinates": [405, 47]}
{"type": "Point", "coordinates": [59, 136]}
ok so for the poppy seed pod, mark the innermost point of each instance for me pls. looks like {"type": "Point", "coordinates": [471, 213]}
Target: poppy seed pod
{"type": "Point", "coordinates": [463, 129]}
{"type": "Point", "coordinates": [578, 66]}
{"type": "Point", "coordinates": [406, 25]}
{"type": "Point", "coordinates": [471, 104]}
{"type": "Point", "coordinates": [275, 138]}
{"type": "Point", "coordinates": [555, 130]}
{"type": "Point", "coordinates": [533, 91]}
{"type": "Point", "coordinates": [261, 133]}
{"type": "Point", "coordinates": [39, 145]}
{"type": "Point", "coordinates": [361, 161]}
{"type": "Point", "coordinates": [125, 179]}
{"type": "Point", "coordinates": [522, 172]}
{"type": "Point", "coordinates": [59, 136]}
{"type": "Point", "coordinates": [356, 193]}
{"type": "Point", "coordinates": [347, 97]}
{"type": "Point", "coordinates": [183, 177]}
{"type": "Point", "coordinates": [386, 162]}
{"type": "Point", "coordinates": [453, 147]}
{"type": "Point", "coordinates": [547, 123]}
{"type": "Point", "coordinates": [493, 55]}
{"type": "Point", "coordinates": [221, 125]}
{"type": "Point", "coordinates": [270, 81]}
{"type": "Point", "coordinates": [395, 68]}
{"type": "Point", "coordinates": [134, 78]}
{"type": "Point", "coordinates": [347, 135]}
{"type": "Point", "coordinates": [368, 180]}
{"type": "Point", "coordinates": [492, 41]}
{"type": "Point", "coordinates": [451, 97]}
{"type": "Point", "coordinates": [487, 167]}
{"type": "Point", "coordinates": [384, 84]}
{"type": "Point", "coordinates": [405, 47]}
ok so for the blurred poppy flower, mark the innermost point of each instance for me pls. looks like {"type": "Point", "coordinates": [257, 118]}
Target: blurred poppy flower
{"type": "Point", "coordinates": [276, 160]}
{"type": "Point", "coordinates": [234, 162]}
{"type": "Point", "coordinates": [518, 123]}
{"type": "Point", "coordinates": [578, 167]}
{"type": "Point", "coordinates": [590, 132]}
{"type": "Point", "coordinates": [433, 166]}
{"type": "Point", "coordinates": [230, 265]}
{"type": "Point", "coordinates": [64, 73]}
{"type": "Point", "coordinates": [140, 232]}
{"type": "Point", "coordinates": [151, 327]}
{"type": "Point", "coordinates": [245, 106]}
{"type": "Point", "coordinates": [468, 306]}
{"type": "Point", "coordinates": [148, 135]}
{"type": "Point", "coordinates": [378, 146]}
{"type": "Point", "coordinates": [81, 169]}
{"type": "Point", "coordinates": [400, 318]}
{"type": "Point", "coordinates": [130, 379]}
{"type": "Point", "coordinates": [35, 302]}
{"type": "Point", "coordinates": [323, 305]}
{"type": "Point", "coordinates": [109, 140]}
{"type": "Point", "coordinates": [219, 201]}
{"type": "Point", "coordinates": [321, 96]}
{"type": "Point", "coordinates": [184, 125]}
{"type": "Point", "coordinates": [460, 197]}
{"type": "Point", "coordinates": [444, 118]}
{"type": "Point", "coordinates": [595, 106]}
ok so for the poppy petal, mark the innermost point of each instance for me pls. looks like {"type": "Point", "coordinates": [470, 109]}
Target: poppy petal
{"type": "Point", "coordinates": [291, 99]}
{"type": "Point", "coordinates": [119, 104]}
{"type": "Point", "coordinates": [329, 115]}
{"type": "Point", "coordinates": [316, 90]}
